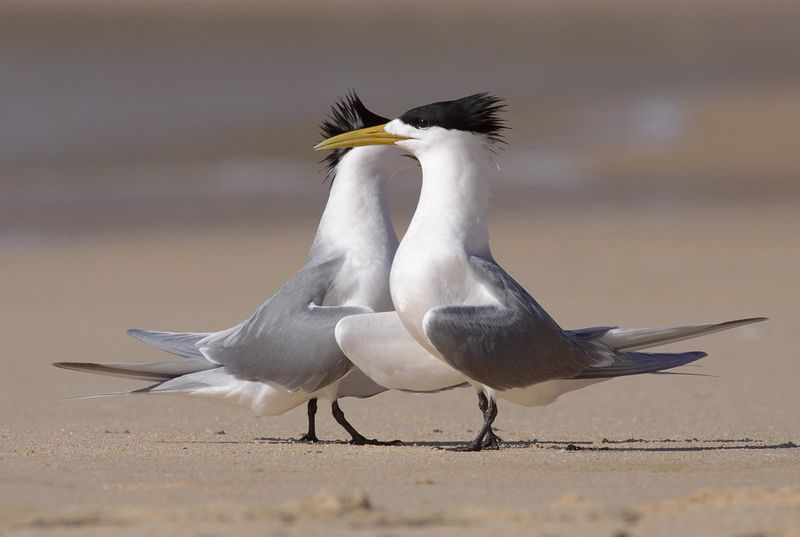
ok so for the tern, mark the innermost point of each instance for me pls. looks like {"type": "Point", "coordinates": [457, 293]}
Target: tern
{"type": "Point", "coordinates": [286, 354]}
{"type": "Point", "coordinates": [458, 304]}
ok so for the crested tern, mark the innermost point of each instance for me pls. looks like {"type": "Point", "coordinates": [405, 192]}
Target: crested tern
{"type": "Point", "coordinates": [285, 354]}
{"type": "Point", "coordinates": [458, 304]}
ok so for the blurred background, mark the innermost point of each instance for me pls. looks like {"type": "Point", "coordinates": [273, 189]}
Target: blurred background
{"type": "Point", "coordinates": [191, 114]}
{"type": "Point", "coordinates": [156, 171]}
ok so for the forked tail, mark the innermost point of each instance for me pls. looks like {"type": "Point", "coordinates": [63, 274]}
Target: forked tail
{"type": "Point", "coordinates": [635, 363]}
{"type": "Point", "coordinates": [620, 361]}
{"type": "Point", "coordinates": [631, 339]}
{"type": "Point", "coordinates": [158, 372]}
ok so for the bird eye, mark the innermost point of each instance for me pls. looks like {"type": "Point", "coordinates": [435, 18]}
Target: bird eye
{"type": "Point", "coordinates": [422, 123]}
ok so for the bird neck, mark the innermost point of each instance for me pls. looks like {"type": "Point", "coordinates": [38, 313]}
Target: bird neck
{"type": "Point", "coordinates": [454, 201]}
{"type": "Point", "coordinates": [356, 217]}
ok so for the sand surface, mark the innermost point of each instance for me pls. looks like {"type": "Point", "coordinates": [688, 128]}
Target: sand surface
{"type": "Point", "coordinates": [662, 455]}
{"type": "Point", "coordinates": [155, 172]}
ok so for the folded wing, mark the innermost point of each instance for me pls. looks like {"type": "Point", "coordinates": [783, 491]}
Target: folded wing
{"type": "Point", "coordinates": [289, 341]}
{"type": "Point", "coordinates": [511, 344]}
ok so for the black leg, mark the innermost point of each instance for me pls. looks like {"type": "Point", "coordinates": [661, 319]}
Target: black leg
{"type": "Point", "coordinates": [488, 419]}
{"type": "Point", "coordinates": [357, 438]}
{"type": "Point", "coordinates": [491, 440]}
{"type": "Point", "coordinates": [311, 435]}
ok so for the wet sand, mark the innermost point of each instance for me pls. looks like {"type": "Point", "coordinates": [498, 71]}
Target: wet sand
{"type": "Point", "coordinates": [655, 455]}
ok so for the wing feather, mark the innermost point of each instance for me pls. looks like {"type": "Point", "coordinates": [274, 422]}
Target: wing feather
{"type": "Point", "coordinates": [290, 339]}
{"type": "Point", "coordinates": [511, 344]}
{"type": "Point", "coordinates": [627, 339]}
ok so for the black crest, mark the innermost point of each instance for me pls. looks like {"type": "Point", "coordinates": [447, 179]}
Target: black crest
{"type": "Point", "coordinates": [480, 113]}
{"type": "Point", "coordinates": [347, 114]}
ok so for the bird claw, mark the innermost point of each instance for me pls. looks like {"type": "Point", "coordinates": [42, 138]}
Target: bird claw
{"type": "Point", "coordinates": [492, 441]}
{"type": "Point", "coordinates": [308, 438]}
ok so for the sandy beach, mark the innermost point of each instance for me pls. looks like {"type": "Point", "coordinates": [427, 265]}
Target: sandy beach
{"type": "Point", "coordinates": [652, 455]}
{"type": "Point", "coordinates": [156, 172]}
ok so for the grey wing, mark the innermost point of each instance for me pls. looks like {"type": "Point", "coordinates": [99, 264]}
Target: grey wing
{"type": "Point", "coordinates": [511, 344]}
{"type": "Point", "coordinates": [290, 339]}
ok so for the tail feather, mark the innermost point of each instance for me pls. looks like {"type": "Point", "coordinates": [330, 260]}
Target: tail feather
{"type": "Point", "coordinates": [635, 363]}
{"type": "Point", "coordinates": [109, 394]}
{"type": "Point", "coordinates": [629, 339]}
{"type": "Point", "coordinates": [595, 332]}
{"type": "Point", "coordinates": [180, 343]}
{"type": "Point", "coordinates": [151, 371]}
{"type": "Point", "coordinates": [194, 382]}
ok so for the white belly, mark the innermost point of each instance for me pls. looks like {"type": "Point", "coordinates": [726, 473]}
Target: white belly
{"type": "Point", "coordinates": [383, 348]}
{"type": "Point", "coordinates": [544, 393]}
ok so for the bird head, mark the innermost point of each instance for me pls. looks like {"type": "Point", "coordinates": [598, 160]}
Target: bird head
{"type": "Point", "coordinates": [473, 118]}
{"type": "Point", "coordinates": [350, 114]}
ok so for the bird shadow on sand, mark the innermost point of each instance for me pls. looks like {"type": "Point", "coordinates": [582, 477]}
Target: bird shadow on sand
{"type": "Point", "coordinates": [610, 445]}
{"type": "Point", "coordinates": [634, 445]}
{"type": "Point", "coordinates": [263, 440]}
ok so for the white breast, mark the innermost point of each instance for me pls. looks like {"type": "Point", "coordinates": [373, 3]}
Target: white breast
{"type": "Point", "coordinates": [362, 281]}
{"type": "Point", "coordinates": [425, 276]}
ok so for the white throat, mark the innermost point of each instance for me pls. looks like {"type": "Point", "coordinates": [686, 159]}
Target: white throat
{"type": "Point", "coordinates": [356, 216]}
{"type": "Point", "coordinates": [454, 200]}
{"type": "Point", "coordinates": [356, 225]}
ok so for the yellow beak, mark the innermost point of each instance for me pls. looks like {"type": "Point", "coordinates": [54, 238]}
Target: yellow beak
{"type": "Point", "coordinates": [368, 136]}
